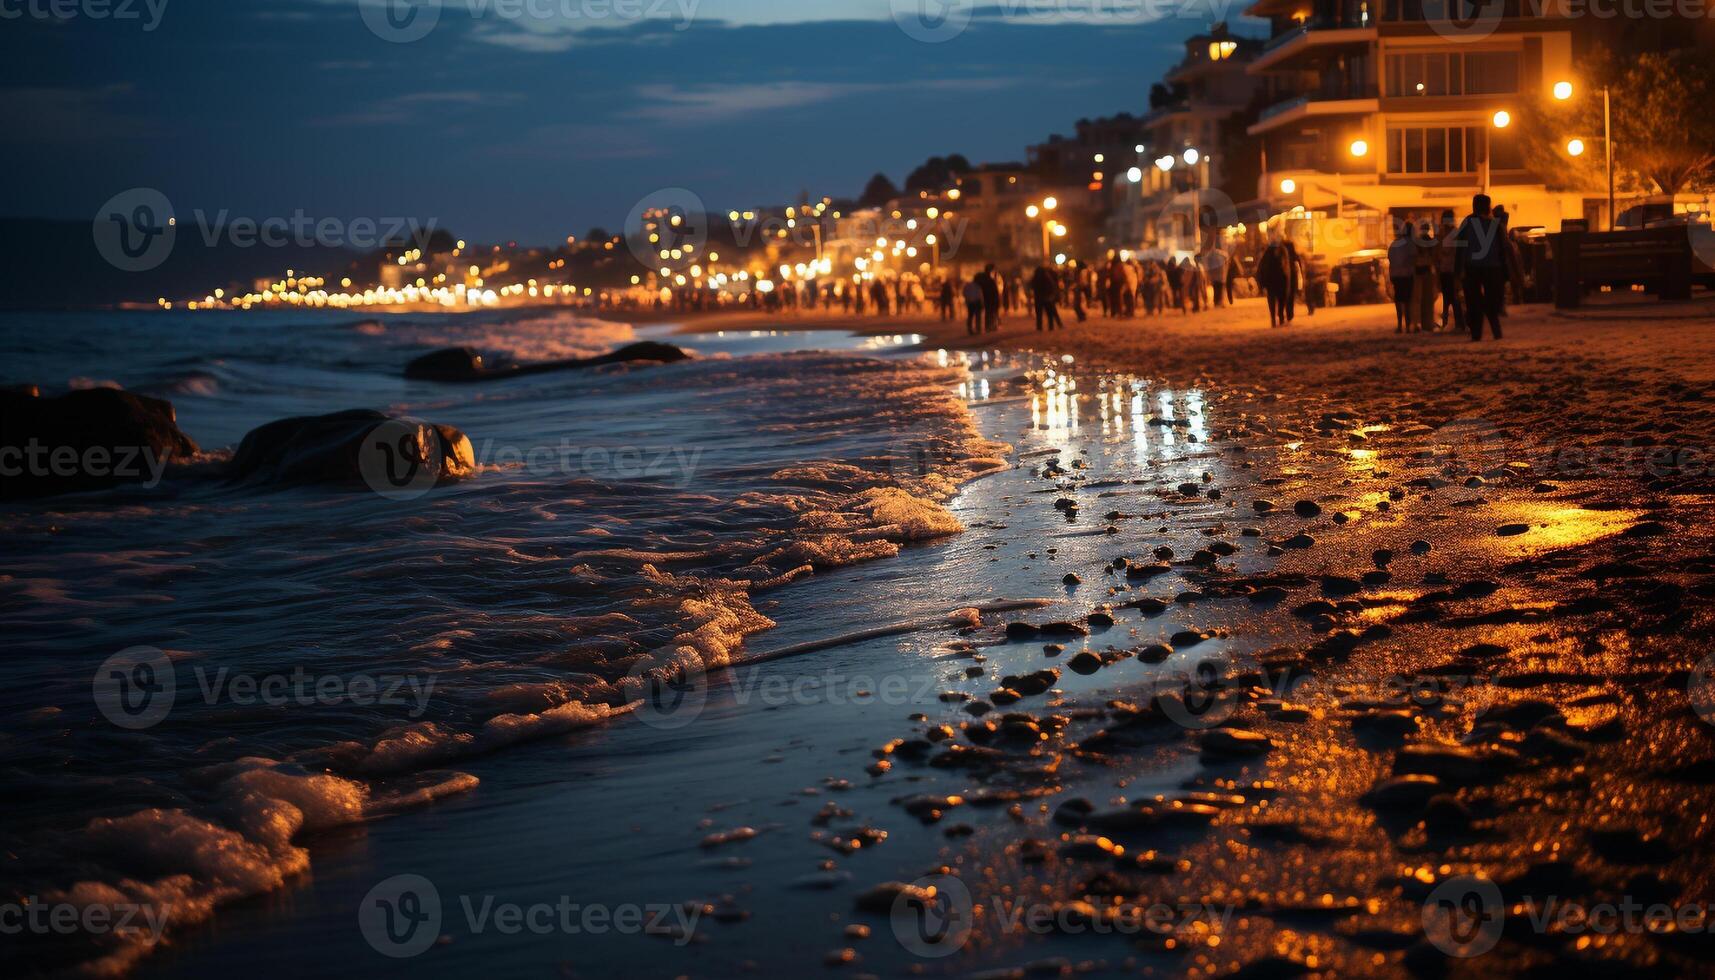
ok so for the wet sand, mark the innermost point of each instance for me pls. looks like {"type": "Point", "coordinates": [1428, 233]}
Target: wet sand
{"type": "Point", "coordinates": [1461, 714]}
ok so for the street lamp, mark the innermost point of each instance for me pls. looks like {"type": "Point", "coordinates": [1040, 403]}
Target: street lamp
{"type": "Point", "coordinates": [1288, 185]}
{"type": "Point", "coordinates": [1575, 147]}
{"type": "Point", "coordinates": [1360, 148]}
{"type": "Point", "coordinates": [1048, 225]}
{"type": "Point", "coordinates": [1562, 92]}
{"type": "Point", "coordinates": [1502, 118]}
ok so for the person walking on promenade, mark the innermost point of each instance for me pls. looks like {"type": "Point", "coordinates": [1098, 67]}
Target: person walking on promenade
{"type": "Point", "coordinates": [1423, 276]}
{"type": "Point", "coordinates": [1452, 305]}
{"type": "Point", "coordinates": [1215, 262]}
{"type": "Point", "coordinates": [948, 299]}
{"type": "Point", "coordinates": [1196, 285]}
{"type": "Point", "coordinates": [1480, 262]}
{"type": "Point", "coordinates": [989, 281]}
{"type": "Point", "coordinates": [1401, 263]}
{"type": "Point", "coordinates": [973, 307]}
{"type": "Point", "coordinates": [1295, 276]}
{"type": "Point", "coordinates": [1175, 287]}
{"type": "Point", "coordinates": [1044, 291]}
{"type": "Point", "coordinates": [1271, 276]}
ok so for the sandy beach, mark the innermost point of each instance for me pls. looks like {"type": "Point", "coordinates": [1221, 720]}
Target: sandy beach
{"type": "Point", "coordinates": [1478, 683]}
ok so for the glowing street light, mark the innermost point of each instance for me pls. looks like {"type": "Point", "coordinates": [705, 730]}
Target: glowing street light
{"type": "Point", "coordinates": [1502, 119]}
{"type": "Point", "coordinates": [1164, 163]}
{"type": "Point", "coordinates": [1288, 185]}
{"type": "Point", "coordinates": [1135, 175]}
{"type": "Point", "coordinates": [1049, 204]}
{"type": "Point", "coordinates": [1191, 156]}
{"type": "Point", "coordinates": [1575, 147]}
{"type": "Point", "coordinates": [1562, 91]}
{"type": "Point", "coordinates": [1360, 148]}
{"type": "Point", "coordinates": [1032, 211]}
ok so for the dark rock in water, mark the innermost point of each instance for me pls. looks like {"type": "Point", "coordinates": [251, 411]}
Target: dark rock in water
{"type": "Point", "coordinates": [1300, 540]}
{"type": "Point", "coordinates": [450, 364]}
{"type": "Point", "coordinates": [1445, 815]}
{"type": "Point", "coordinates": [1022, 630]}
{"type": "Point", "coordinates": [1071, 578]}
{"type": "Point", "coordinates": [85, 440]}
{"type": "Point", "coordinates": [1085, 663]}
{"type": "Point", "coordinates": [465, 364]}
{"type": "Point", "coordinates": [1234, 743]}
{"type": "Point", "coordinates": [1307, 508]}
{"type": "Point", "coordinates": [1382, 557]}
{"type": "Point", "coordinates": [389, 454]}
{"type": "Point", "coordinates": [1402, 792]}
{"type": "Point", "coordinates": [1509, 530]}
{"type": "Point", "coordinates": [1155, 653]}
{"type": "Point", "coordinates": [1099, 620]}
{"type": "Point", "coordinates": [1072, 812]}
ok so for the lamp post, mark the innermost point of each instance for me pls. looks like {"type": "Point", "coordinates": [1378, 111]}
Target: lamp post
{"type": "Point", "coordinates": [1192, 157]}
{"type": "Point", "coordinates": [1562, 92]}
{"type": "Point", "coordinates": [1041, 212]}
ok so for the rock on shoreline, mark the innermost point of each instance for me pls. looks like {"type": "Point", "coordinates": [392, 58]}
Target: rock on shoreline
{"type": "Point", "coordinates": [91, 439]}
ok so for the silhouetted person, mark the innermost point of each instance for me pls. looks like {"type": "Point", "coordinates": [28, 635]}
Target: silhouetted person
{"type": "Point", "coordinates": [1481, 261]}
{"type": "Point", "coordinates": [1044, 291]}
{"type": "Point", "coordinates": [973, 307]}
{"type": "Point", "coordinates": [989, 280]}
{"type": "Point", "coordinates": [1452, 305]}
{"type": "Point", "coordinates": [1401, 257]}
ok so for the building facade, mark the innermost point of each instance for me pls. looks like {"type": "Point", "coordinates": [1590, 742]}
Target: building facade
{"type": "Point", "coordinates": [1382, 110]}
{"type": "Point", "coordinates": [1184, 150]}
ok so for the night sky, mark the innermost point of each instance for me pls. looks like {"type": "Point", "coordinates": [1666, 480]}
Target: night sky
{"type": "Point", "coordinates": [503, 126]}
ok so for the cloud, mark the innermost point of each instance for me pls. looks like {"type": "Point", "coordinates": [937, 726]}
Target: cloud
{"type": "Point", "coordinates": [413, 107]}
{"type": "Point", "coordinates": [707, 104]}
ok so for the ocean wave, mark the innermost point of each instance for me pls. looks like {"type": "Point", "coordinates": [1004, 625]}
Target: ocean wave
{"type": "Point", "coordinates": [532, 603]}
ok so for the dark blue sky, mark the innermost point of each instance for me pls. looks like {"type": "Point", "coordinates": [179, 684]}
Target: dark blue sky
{"type": "Point", "coordinates": [534, 119]}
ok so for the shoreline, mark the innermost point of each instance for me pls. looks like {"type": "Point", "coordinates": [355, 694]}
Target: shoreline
{"type": "Point", "coordinates": [1573, 698]}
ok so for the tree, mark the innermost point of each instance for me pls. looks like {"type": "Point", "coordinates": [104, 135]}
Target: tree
{"type": "Point", "coordinates": [1664, 135]}
{"type": "Point", "coordinates": [937, 173]}
{"type": "Point", "coordinates": [877, 192]}
{"type": "Point", "coordinates": [1161, 96]}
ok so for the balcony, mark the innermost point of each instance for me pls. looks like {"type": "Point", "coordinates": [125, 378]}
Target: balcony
{"type": "Point", "coordinates": [1285, 51]}
{"type": "Point", "coordinates": [1331, 97]}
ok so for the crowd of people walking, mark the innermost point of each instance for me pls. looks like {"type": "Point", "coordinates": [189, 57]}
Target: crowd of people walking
{"type": "Point", "coordinates": [1468, 265]}
{"type": "Point", "coordinates": [1453, 275]}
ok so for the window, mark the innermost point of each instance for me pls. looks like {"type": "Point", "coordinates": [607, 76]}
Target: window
{"type": "Point", "coordinates": [1433, 149]}
{"type": "Point", "coordinates": [1450, 73]}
